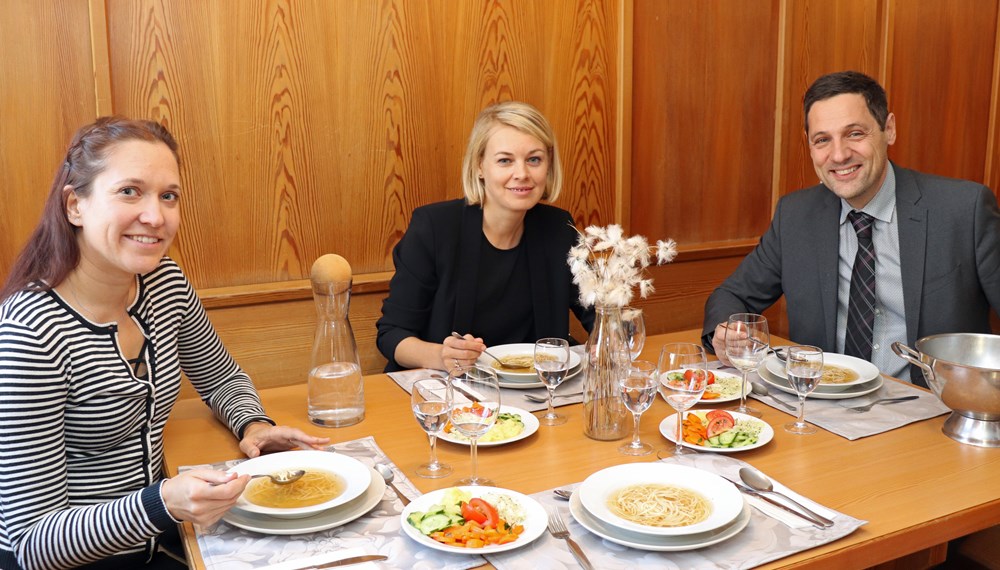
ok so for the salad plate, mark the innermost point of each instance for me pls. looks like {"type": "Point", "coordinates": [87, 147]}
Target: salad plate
{"type": "Point", "coordinates": [332, 518]}
{"type": "Point", "coordinates": [521, 349]}
{"type": "Point", "coordinates": [535, 520]}
{"type": "Point", "coordinates": [668, 428]}
{"type": "Point", "coordinates": [652, 542]}
{"type": "Point", "coordinates": [726, 385]}
{"type": "Point", "coordinates": [850, 392]}
{"type": "Point", "coordinates": [530, 427]}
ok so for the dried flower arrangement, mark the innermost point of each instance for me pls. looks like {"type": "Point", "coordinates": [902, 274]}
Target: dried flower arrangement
{"type": "Point", "coordinates": [608, 267]}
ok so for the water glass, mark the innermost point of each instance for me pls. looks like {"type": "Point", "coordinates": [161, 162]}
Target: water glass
{"type": "Point", "coordinates": [804, 368]}
{"type": "Point", "coordinates": [682, 375]}
{"type": "Point", "coordinates": [474, 409]}
{"type": "Point", "coordinates": [634, 326]}
{"type": "Point", "coordinates": [747, 343]}
{"type": "Point", "coordinates": [431, 400]}
{"type": "Point", "coordinates": [638, 389]}
{"type": "Point", "coordinates": [552, 365]}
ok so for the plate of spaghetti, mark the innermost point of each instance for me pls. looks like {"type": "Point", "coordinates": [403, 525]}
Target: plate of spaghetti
{"type": "Point", "coordinates": [660, 499]}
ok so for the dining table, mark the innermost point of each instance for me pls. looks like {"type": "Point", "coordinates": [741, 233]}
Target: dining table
{"type": "Point", "coordinates": [916, 487]}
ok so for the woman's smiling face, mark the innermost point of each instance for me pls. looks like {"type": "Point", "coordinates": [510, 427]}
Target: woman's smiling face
{"type": "Point", "coordinates": [515, 169]}
{"type": "Point", "coordinates": [131, 215]}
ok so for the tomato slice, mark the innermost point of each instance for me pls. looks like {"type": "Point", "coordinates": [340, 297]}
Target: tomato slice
{"type": "Point", "coordinates": [719, 413]}
{"type": "Point", "coordinates": [481, 512]}
{"type": "Point", "coordinates": [689, 374]}
{"type": "Point", "coordinates": [719, 424]}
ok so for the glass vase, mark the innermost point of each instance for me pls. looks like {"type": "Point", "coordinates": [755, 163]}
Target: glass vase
{"type": "Point", "coordinates": [607, 360]}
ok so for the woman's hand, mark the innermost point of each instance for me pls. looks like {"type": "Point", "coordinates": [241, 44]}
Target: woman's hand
{"type": "Point", "coordinates": [719, 343]}
{"type": "Point", "coordinates": [202, 496]}
{"type": "Point", "coordinates": [462, 351]}
{"type": "Point", "coordinates": [261, 436]}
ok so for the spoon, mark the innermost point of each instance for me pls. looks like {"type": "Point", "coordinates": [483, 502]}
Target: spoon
{"type": "Point", "coordinates": [760, 483]}
{"type": "Point", "coordinates": [563, 493]}
{"type": "Point", "coordinates": [500, 361]}
{"type": "Point", "coordinates": [282, 477]}
{"type": "Point", "coordinates": [386, 472]}
{"type": "Point", "coordinates": [544, 399]}
{"type": "Point", "coordinates": [760, 389]}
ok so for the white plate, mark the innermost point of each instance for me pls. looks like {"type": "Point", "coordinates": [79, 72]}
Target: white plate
{"type": "Point", "coordinates": [851, 392]}
{"type": "Point", "coordinates": [534, 523]}
{"type": "Point", "coordinates": [730, 377]}
{"type": "Point", "coordinates": [334, 517]}
{"type": "Point", "coordinates": [866, 370]}
{"type": "Point", "coordinates": [530, 427]}
{"type": "Point", "coordinates": [521, 348]}
{"type": "Point", "coordinates": [528, 383]}
{"type": "Point", "coordinates": [354, 473]}
{"type": "Point", "coordinates": [668, 427]}
{"type": "Point", "coordinates": [652, 542]}
{"type": "Point", "coordinates": [726, 501]}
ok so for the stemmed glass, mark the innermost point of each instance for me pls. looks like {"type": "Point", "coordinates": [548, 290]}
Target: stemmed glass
{"type": "Point", "coordinates": [635, 330]}
{"type": "Point", "coordinates": [431, 400]}
{"type": "Point", "coordinates": [804, 368]}
{"type": "Point", "coordinates": [747, 343]}
{"type": "Point", "coordinates": [551, 364]}
{"type": "Point", "coordinates": [682, 376]}
{"type": "Point", "coordinates": [638, 389]}
{"type": "Point", "coordinates": [475, 408]}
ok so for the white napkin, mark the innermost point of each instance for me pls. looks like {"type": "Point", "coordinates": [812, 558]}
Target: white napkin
{"type": "Point", "coordinates": [777, 513]}
{"type": "Point", "coordinates": [324, 558]}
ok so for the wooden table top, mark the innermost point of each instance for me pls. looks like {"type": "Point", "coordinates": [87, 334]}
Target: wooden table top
{"type": "Point", "coordinates": [917, 487]}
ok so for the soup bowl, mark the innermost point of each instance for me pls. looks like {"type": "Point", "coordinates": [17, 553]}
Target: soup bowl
{"type": "Point", "coordinates": [354, 476]}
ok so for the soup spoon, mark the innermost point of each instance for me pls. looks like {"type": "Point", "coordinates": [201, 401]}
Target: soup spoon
{"type": "Point", "coordinates": [282, 477]}
{"type": "Point", "coordinates": [500, 361]}
{"type": "Point", "coordinates": [386, 472]}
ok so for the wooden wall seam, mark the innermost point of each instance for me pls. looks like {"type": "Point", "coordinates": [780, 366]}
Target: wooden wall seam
{"type": "Point", "coordinates": [623, 115]}
{"type": "Point", "coordinates": [991, 137]}
{"type": "Point", "coordinates": [780, 85]}
{"type": "Point", "coordinates": [101, 57]}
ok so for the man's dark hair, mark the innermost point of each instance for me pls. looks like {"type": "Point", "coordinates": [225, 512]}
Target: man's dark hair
{"type": "Point", "coordinates": [842, 82]}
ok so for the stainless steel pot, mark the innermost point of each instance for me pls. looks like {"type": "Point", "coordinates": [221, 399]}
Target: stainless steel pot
{"type": "Point", "coordinates": [963, 369]}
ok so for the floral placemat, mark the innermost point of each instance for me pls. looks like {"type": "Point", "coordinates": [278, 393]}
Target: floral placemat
{"type": "Point", "coordinates": [226, 547]}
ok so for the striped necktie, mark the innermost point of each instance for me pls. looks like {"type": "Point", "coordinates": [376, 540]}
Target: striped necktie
{"type": "Point", "coordinates": [861, 304]}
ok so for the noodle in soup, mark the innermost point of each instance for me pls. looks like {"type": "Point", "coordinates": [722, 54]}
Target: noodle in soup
{"type": "Point", "coordinates": [659, 505]}
{"type": "Point", "coordinates": [837, 375]}
{"type": "Point", "coordinates": [520, 361]}
{"type": "Point", "coordinates": [313, 488]}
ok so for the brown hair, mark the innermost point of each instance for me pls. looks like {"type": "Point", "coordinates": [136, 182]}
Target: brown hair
{"type": "Point", "coordinates": [52, 250]}
{"type": "Point", "coordinates": [843, 82]}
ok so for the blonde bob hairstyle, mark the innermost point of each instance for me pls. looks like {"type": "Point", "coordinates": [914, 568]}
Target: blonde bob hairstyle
{"type": "Point", "coordinates": [522, 117]}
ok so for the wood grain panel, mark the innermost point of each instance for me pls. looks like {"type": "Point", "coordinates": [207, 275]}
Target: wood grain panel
{"type": "Point", "coordinates": [703, 118]}
{"type": "Point", "coordinates": [46, 93]}
{"type": "Point", "coordinates": [823, 37]}
{"type": "Point", "coordinates": [941, 81]}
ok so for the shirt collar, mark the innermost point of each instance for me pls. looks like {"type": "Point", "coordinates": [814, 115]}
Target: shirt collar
{"type": "Point", "coordinates": [882, 206]}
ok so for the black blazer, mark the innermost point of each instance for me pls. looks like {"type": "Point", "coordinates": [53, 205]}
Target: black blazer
{"type": "Point", "coordinates": [433, 291]}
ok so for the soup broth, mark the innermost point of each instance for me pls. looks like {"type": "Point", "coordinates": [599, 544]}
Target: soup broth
{"type": "Point", "coordinates": [520, 362]}
{"type": "Point", "coordinates": [837, 375]}
{"type": "Point", "coordinates": [313, 488]}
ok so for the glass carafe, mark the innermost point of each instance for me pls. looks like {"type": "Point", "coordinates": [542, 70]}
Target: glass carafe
{"type": "Point", "coordinates": [336, 390]}
{"type": "Point", "coordinates": [606, 362]}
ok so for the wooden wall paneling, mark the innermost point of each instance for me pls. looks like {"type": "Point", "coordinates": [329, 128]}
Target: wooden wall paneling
{"type": "Point", "coordinates": [992, 174]}
{"type": "Point", "coordinates": [821, 37]}
{"type": "Point", "coordinates": [46, 93]}
{"type": "Point", "coordinates": [941, 85]}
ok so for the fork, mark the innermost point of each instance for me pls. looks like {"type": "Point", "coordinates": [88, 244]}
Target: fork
{"type": "Point", "coordinates": [557, 528]}
{"type": "Point", "coordinates": [866, 407]}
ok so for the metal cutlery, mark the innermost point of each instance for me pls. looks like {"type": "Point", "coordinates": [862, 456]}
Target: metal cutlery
{"type": "Point", "coordinates": [503, 364]}
{"type": "Point", "coordinates": [763, 497]}
{"type": "Point", "coordinates": [563, 493]}
{"type": "Point", "coordinates": [760, 389]}
{"type": "Point", "coordinates": [883, 401]}
{"type": "Point", "coordinates": [544, 399]}
{"type": "Point", "coordinates": [557, 528]}
{"type": "Point", "coordinates": [347, 561]}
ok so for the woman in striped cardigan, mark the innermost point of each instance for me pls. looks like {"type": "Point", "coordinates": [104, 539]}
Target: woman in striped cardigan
{"type": "Point", "coordinates": [96, 327]}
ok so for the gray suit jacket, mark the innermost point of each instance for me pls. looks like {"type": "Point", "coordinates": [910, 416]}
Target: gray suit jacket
{"type": "Point", "coordinates": [949, 236]}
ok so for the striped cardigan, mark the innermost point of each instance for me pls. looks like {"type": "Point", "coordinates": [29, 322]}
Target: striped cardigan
{"type": "Point", "coordinates": [81, 438]}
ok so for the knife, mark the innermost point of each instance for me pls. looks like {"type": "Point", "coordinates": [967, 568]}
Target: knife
{"type": "Point", "coordinates": [347, 561]}
{"type": "Point", "coordinates": [755, 493]}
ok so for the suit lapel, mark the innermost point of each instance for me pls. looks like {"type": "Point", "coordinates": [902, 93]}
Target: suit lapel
{"type": "Point", "coordinates": [471, 239]}
{"type": "Point", "coordinates": [913, 240]}
{"type": "Point", "coordinates": [827, 262]}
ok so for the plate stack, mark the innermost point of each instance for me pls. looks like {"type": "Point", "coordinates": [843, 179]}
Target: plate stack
{"type": "Point", "coordinates": [526, 378]}
{"type": "Point", "coordinates": [728, 513]}
{"type": "Point", "coordinates": [867, 380]}
{"type": "Point", "coordinates": [358, 489]}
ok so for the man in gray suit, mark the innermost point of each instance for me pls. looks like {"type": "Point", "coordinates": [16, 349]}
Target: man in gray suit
{"type": "Point", "coordinates": [936, 240]}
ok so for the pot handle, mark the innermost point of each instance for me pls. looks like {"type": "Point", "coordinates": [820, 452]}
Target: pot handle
{"type": "Point", "coordinates": [913, 357]}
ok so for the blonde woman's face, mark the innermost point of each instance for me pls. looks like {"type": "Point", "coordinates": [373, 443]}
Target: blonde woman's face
{"type": "Point", "coordinates": [514, 169]}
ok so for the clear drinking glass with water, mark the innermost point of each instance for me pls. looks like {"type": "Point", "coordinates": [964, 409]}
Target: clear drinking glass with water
{"type": "Point", "coordinates": [638, 389]}
{"type": "Point", "coordinates": [747, 343]}
{"type": "Point", "coordinates": [431, 400]}
{"type": "Point", "coordinates": [552, 364]}
{"type": "Point", "coordinates": [474, 410]}
{"type": "Point", "coordinates": [682, 376]}
{"type": "Point", "coordinates": [804, 369]}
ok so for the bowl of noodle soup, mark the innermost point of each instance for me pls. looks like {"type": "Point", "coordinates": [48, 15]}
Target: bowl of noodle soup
{"type": "Point", "coordinates": [522, 354]}
{"type": "Point", "coordinates": [660, 499]}
{"type": "Point", "coordinates": [331, 480]}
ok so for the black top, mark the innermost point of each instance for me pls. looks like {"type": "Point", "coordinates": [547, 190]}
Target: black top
{"type": "Point", "coordinates": [437, 281]}
{"type": "Point", "coordinates": [503, 302]}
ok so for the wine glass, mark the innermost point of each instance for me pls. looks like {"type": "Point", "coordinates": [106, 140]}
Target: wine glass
{"type": "Point", "coordinates": [431, 400]}
{"type": "Point", "coordinates": [682, 376]}
{"type": "Point", "coordinates": [474, 409]}
{"type": "Point", "coordinates": [804, 368]}
{"type": "Point", "coordinates": [638, 389]}
{"type": "Point", "coordinates": [552, 364]}
{"type": "Point", "coordinates": [747, 343]}
{"type": "Point", "coordinates": [634, 327]}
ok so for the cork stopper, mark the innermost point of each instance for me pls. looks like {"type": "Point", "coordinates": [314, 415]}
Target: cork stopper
{"type": "Point", "coordinates": [331, 268]}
